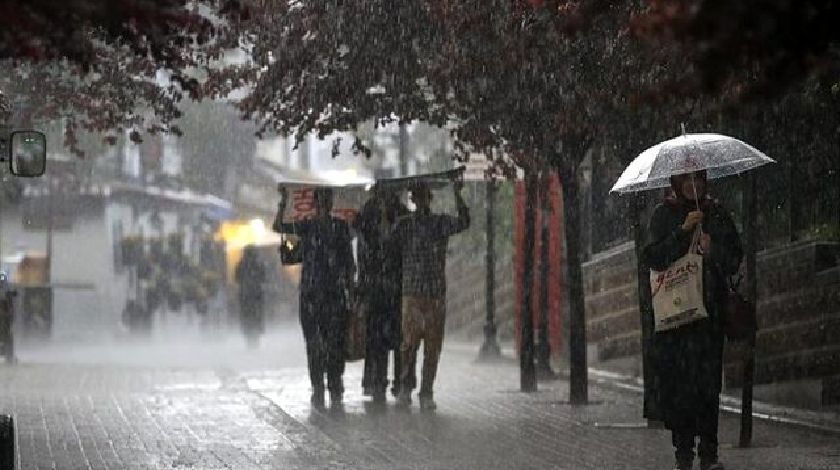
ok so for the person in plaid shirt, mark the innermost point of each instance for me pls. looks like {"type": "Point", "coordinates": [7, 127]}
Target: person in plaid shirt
{"type": "Point", "coordinates": [424, 237]}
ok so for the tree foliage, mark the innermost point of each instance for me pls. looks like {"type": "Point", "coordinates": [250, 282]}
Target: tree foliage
{"type": "Point", "coordinates": [748, 48]}
{"type": "Point", "coordinates": [105, 66]}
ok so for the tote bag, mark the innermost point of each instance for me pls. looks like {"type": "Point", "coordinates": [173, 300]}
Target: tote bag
{"type": "Point", "coordinates": [677, 291]}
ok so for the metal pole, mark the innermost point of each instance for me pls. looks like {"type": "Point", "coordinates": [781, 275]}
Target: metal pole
{"type": "Point", "coordinates": [403, 149]}
{"type": "Point", "coordinates": [49, 241]}
{"type": "Point", "coordinates": [752, 294]}
{"type": "Point", "coordinates": [528, 376]}
{"type": "Point", "coordinates": [490, 349]}
{"type": "Point", "coordinates": [544, 371]}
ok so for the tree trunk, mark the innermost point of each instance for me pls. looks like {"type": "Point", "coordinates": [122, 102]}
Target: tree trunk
{"type": "Point", "coordinates": [578, 386]}
{"type": "Point", "coordinates": [528, 376]}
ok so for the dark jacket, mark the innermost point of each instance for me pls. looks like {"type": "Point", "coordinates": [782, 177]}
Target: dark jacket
{"type": "Point", "coordinates": [250, 275]}
{"type": "Point", "coordinates": [327, 257]}
{"type": "Point", "coordinates": [380, 275]}
{"type": "Point", "coordinates": [688, 360]}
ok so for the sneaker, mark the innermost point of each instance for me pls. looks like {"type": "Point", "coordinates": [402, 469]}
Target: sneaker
{"type": "Point", "coordinates": [712, 466]}
{"type": "Point", "coordinates": [427, 404]}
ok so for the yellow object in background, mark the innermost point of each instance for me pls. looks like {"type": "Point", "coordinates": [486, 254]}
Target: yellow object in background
{"type": "Point", "coordinates": [237, 234]}
{"type": "Point", "coordinates": [32, 270]}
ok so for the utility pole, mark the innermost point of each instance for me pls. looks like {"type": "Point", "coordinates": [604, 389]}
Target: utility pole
{"type": "Point", "coordinates": [490, 348]}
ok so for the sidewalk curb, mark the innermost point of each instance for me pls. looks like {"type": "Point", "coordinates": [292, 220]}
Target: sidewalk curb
{"type": "Point", "coordinates": [811, 420]}
{"type": "Point", "coordinates": [825, 423]}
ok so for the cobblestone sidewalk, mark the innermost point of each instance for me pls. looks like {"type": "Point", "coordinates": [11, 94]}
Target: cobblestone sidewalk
{"type": "Point", "coordinates": [246, 415]}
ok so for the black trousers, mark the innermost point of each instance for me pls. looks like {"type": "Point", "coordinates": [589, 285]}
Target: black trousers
{"type": "Point", "coordinates": [704, 424]}
{"type": "Point", "coordinates": [324, 323]}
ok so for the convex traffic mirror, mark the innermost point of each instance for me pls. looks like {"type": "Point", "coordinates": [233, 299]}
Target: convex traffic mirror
{"type": "Point", "coordinates": [28, 153]}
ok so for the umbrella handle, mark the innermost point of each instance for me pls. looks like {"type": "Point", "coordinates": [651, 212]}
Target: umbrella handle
{"type": "Point", "coordinates": [694, 188]}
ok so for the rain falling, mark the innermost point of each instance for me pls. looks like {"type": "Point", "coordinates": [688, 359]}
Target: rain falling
{"type": "Point", "coordinates": [427, 234]}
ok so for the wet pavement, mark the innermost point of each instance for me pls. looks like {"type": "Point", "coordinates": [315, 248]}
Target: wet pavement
{"type": "Point", "coordinates": [213, 404]}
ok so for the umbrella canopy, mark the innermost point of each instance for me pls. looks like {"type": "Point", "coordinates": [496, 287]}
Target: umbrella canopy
{"type": "Point", "coordinates": [718, 154]}
{"type": "Point", "coordinates": [349, 190]}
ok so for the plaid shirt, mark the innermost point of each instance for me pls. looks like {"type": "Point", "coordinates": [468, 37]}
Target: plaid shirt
{"type": "Point", "coordinates": [423, 239]}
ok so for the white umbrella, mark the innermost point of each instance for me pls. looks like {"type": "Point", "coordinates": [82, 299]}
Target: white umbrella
{"type": "Point", "coordinates": [718, 154]}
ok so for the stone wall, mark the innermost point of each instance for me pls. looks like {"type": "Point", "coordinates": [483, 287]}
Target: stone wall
{"type": "Point", "coordinates": [798, 314]}
{"type": "Point", "coordinates": [613, 328]}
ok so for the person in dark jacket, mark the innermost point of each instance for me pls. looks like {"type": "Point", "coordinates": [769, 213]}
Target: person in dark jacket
{"type": "Point", "coordinates": [327, 274]}
{"type": "Point", "coordinates": [689, 358]}
{"type": "Point", "coordinates": [380, 284]}
{"type": "Point", "coordinates": [250, 275]}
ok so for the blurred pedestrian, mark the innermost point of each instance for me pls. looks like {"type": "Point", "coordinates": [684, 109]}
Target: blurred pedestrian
{"type": "Point", "coordinates": [327, 275]}
{"type": "Point", "coordinates": [689, 358]}
{"type": "Point", "coordinates": [250, 275]}
{"type": "Point", "coordinates": [380, 286]}
{"type": "Point", "coordinates": [424, 237]}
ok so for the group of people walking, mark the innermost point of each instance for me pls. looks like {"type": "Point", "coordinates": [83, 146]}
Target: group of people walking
{"type": "Point", "coordinates": [401, 287]}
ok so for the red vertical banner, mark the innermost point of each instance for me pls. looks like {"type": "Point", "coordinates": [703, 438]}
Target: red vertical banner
{"type": "Point", "coordinates": [556, 286]}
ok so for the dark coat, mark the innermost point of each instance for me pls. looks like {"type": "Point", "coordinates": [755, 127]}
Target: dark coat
{"type": "Point", "coordinates": [688, 360]}
{"type": "Point", "coordinates": [327, 259]}
{"type": "Point", "coordinates": [250, 275]}
{"type": "Point", "coordinates": [380, 276]}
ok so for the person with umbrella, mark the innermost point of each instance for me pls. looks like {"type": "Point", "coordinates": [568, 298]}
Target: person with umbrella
{"type": "Point", "coordinates": [694, 247]}
{"type": "Point", "coordinates": [380, 285]}
{"type": "Point", "coordinates": [423, 236]}
{"type": "Point", "coordinates": [689, 358]}
{"type": "Point", "coordinates": [326, 276]}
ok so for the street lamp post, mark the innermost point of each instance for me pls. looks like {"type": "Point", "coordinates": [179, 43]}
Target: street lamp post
{"type": "Point", "coordinates": [490, 349]}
